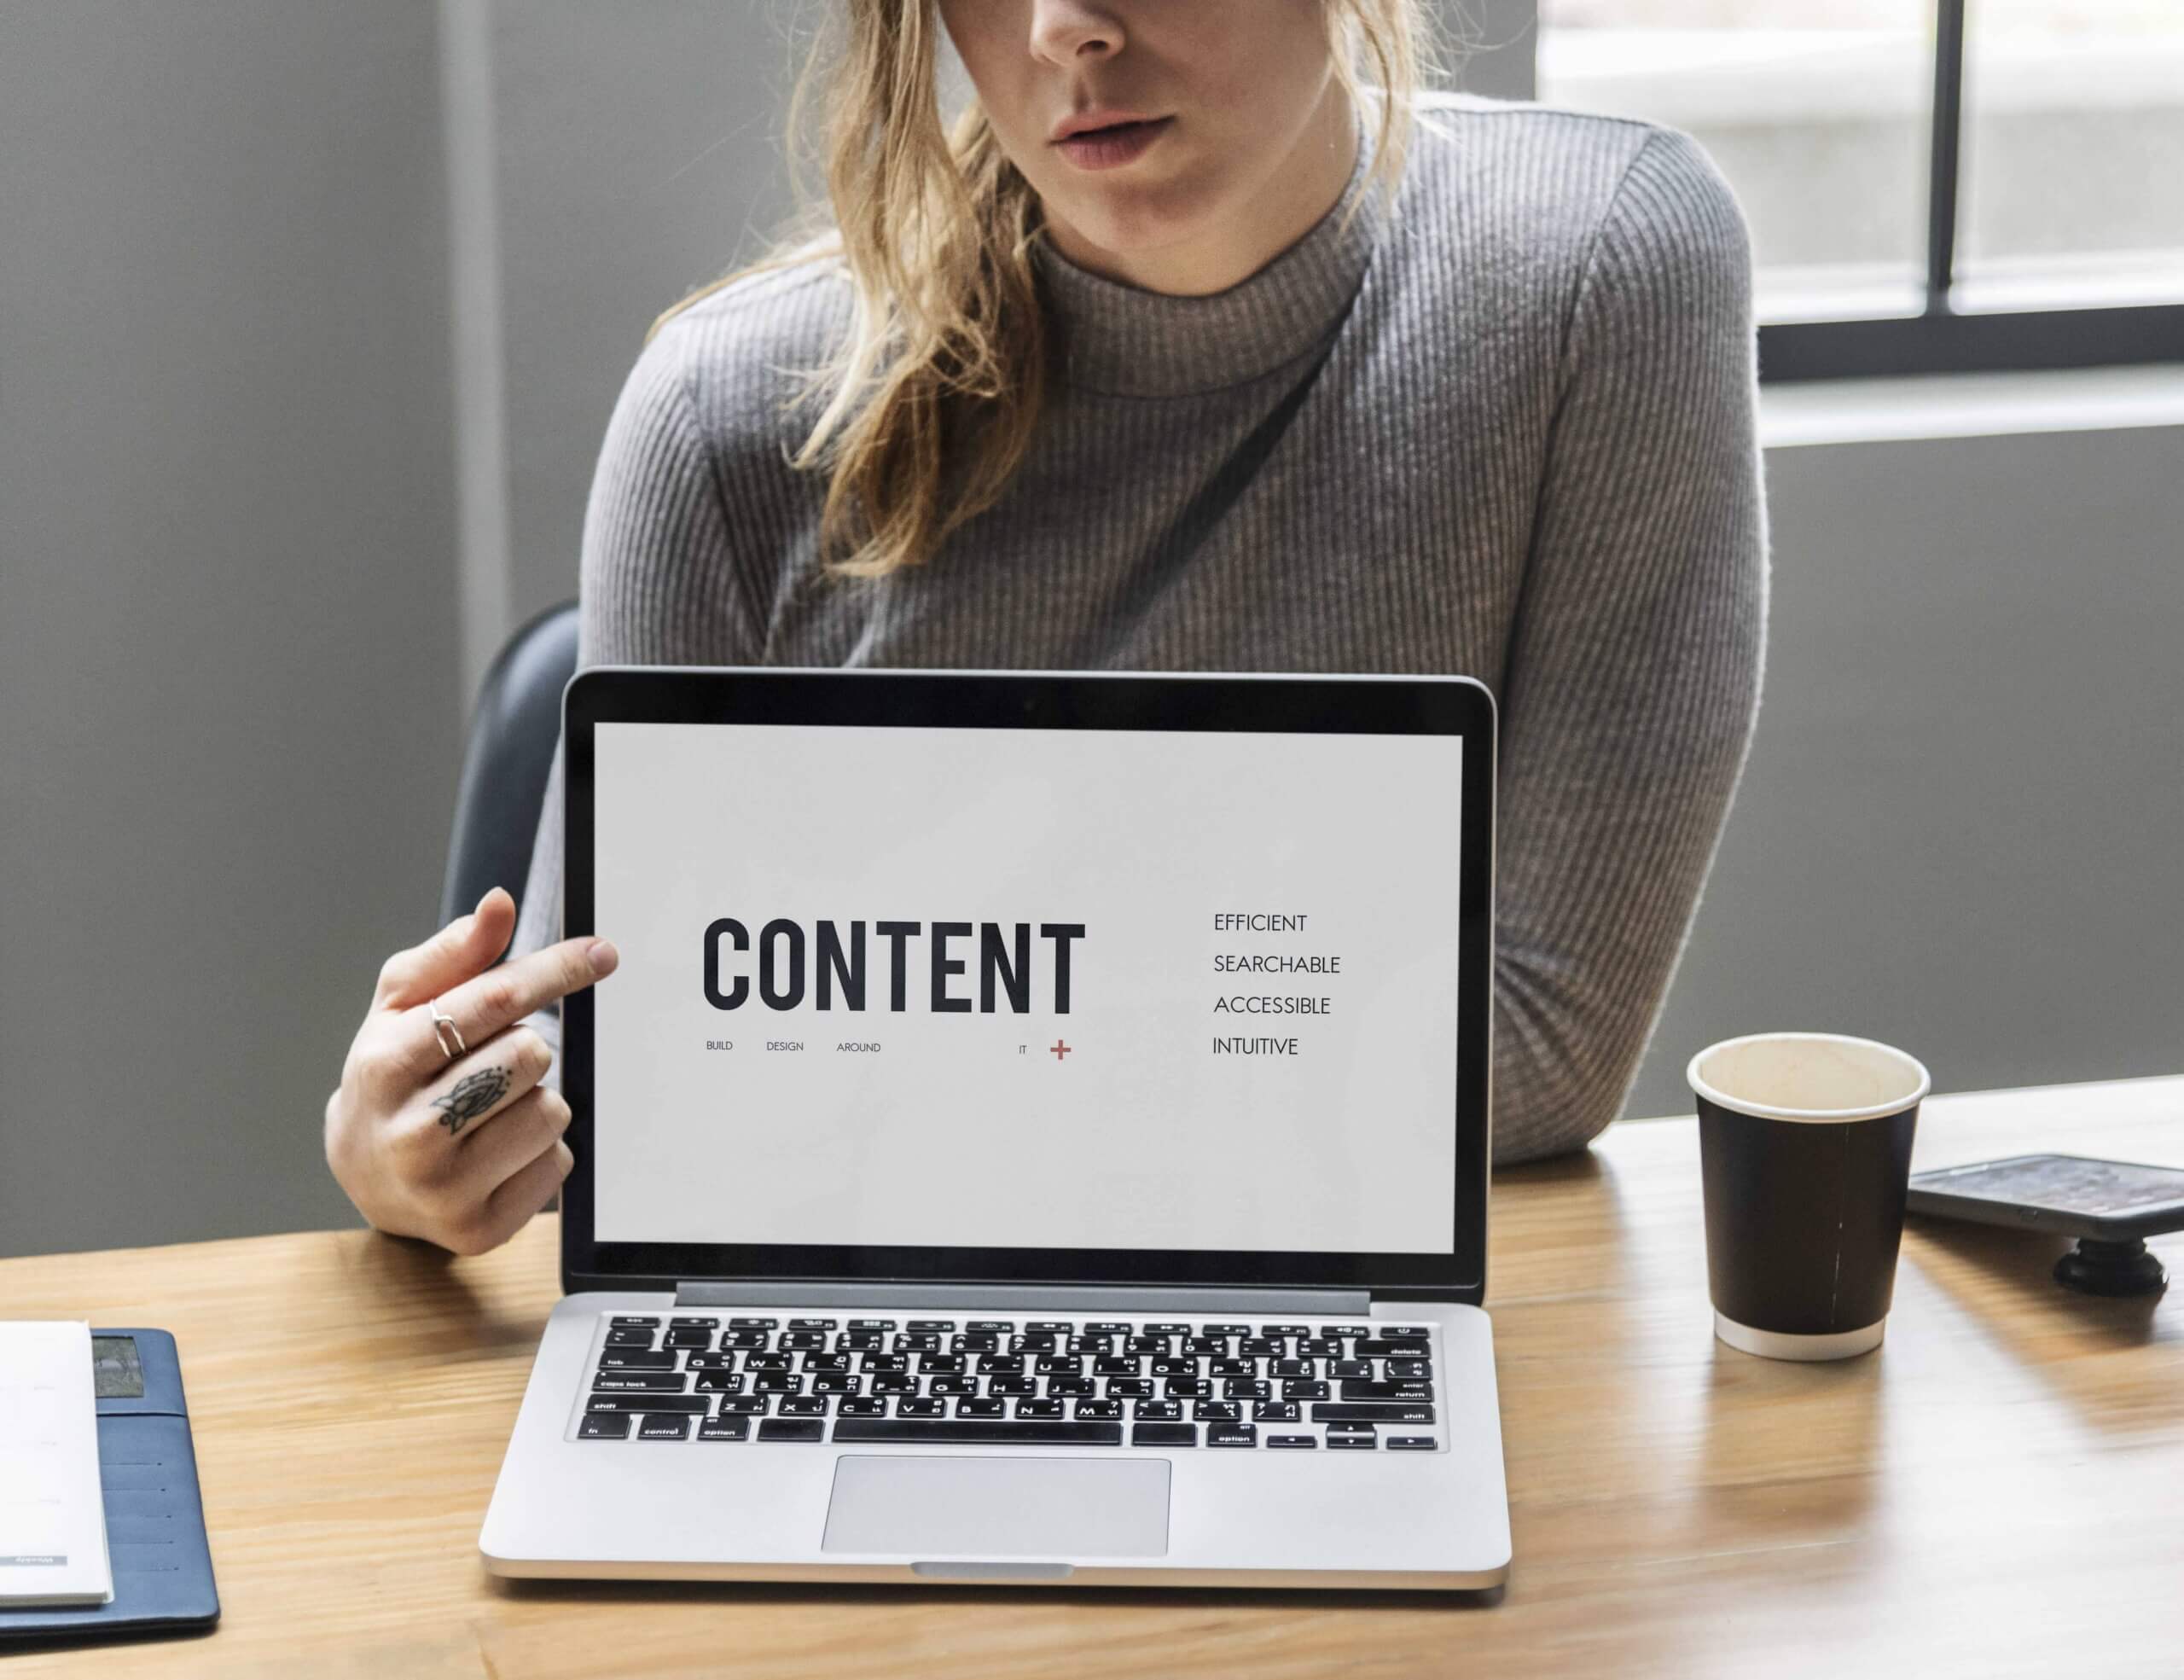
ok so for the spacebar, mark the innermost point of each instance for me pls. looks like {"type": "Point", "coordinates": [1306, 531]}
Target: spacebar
{"type": "Point", "coordinates": [976, 1432]}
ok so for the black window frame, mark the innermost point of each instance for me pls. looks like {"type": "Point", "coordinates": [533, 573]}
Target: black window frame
{"type": "Point", "coordinates": [1941, 338]}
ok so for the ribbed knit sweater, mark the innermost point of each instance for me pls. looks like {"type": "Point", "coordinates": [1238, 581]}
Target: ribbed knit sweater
{"type": "Point", "coordinates": [1529, 456]}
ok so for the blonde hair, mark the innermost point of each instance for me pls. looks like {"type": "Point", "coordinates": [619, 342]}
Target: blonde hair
{"type": "Point", "coordinates": [931, 396]}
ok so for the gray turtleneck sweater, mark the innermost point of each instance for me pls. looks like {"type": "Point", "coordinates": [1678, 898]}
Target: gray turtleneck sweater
{"type": "Point", "coordinates": [1529, 457]}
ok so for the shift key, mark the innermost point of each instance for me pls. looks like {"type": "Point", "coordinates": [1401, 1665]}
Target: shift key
{"type": "Point", "coordinates": [1370, 1411]}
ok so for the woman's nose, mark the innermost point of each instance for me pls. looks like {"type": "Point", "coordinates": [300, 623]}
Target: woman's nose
{"type": "Point", "coordinates": [1068, 32]}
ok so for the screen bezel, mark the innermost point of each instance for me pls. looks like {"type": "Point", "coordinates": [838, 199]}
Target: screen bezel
{"type": "Point", "coordinates": [861, 699]}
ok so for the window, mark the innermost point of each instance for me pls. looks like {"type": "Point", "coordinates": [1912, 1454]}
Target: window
{"type": "Point", "coordinates": [1932, 185]}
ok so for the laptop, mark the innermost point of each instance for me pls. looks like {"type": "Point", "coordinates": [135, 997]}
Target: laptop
{"type": "Point", "coordinates": [1038, 1133]}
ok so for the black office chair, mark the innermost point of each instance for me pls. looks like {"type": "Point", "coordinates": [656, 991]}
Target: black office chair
{"type": "Point", "coordinates": [511, 753]}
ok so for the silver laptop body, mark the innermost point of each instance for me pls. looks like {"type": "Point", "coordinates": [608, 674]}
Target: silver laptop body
{"type": "Point", "coordinates": [1038, 1133]}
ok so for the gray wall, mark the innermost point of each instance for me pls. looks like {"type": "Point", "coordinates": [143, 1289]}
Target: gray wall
{"type": "Point", "coordinates": [1961, 825]}
{"type": "Point", "coordinates": [249, 562]}
{"type": "Point", "coordinates": [228, 709]}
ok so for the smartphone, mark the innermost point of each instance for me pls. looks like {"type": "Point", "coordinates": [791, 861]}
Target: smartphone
{"type": "Point", "coordinates": [2072, 1195]}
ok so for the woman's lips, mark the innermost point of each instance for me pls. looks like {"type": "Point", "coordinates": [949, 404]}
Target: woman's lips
{"type": "Point", "coordinates": [1110, 147]}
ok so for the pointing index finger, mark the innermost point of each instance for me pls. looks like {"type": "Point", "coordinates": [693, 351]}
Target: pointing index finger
{"type": "Point", "coordinates": [500, 997]}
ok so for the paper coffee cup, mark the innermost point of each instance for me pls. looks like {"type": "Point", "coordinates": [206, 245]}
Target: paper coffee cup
{"type": "Point", "coordinates": [1804, 1143]}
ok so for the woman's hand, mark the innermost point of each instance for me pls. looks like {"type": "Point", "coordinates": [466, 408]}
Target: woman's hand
{"type": "Point", "coordinates": [460, 1152]}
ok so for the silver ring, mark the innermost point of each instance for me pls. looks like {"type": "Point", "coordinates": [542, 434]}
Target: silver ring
{"type": "Point", "coordinates": [444, 1024]}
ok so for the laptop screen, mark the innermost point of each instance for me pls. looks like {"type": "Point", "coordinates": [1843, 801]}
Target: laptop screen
{"type": "Point", "coordinates": [1111, 989]}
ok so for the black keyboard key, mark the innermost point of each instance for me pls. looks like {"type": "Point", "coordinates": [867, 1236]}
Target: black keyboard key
{"type": "Point", "coordinates": [754, 1324]}
{"type": "Point", "coordinates": [837, 1382]}
{"type": "Point", "coordinates": [1341, 1368]}
{"type": "Point", "coordinates": [872, 1324]}
{"type": "Point", "coordinates": [1167, 1329]}
{"type": "Point", "coordinates": [1387, 1390]}
{"type": "Point", "coordinates": [1318, 1347]}
{"type": "Point", "coordinates": [1038, 1409]}
{"type": "Point", "coordinates": [1285, 1329]}
{"type": "Point", "coordinates": [1157, 1411]}
{"type": "Point", "coordinates": [1228, 1329]}
{"type": "Point", "coordinates": [1013, 1387]}
{"type": "Point", "coordinates": [1187, 1388]}
{"type": "Point", "coordinates": [916, 1345]}
{"type": "Point", "coordinates": [1028, 1344]}
{"type": "Point", "coordinates": [804, 1341]}
{"type": "Point", "coordinates": [655, 1382]}
{"type": "Point", "coordinates": [605, 1427]}
{"type": "Point", "coordinates": [718, 1382]}
{"type": "Point", "coordinates": [979, 1409]}
{"type": "Point", "coordinates": [1304, 1389]}
{"type": "Point", "coordinates": [693, 1324]}
{"type": "Point", "coordinates": [1129, 1387]}
{"type": "Point", "coordinates": [1384, 1348]}
{"type": "Point", "coordinates": [1057, 1364]}
{"type": "Point", "coordinates": [811, 1324]}
{"type": "Point", "coordinates": [1101, 1409]}
{"type": "Point", "coordinates": [1346, 1329]}
{"type": "Point", "coordinates": [622, 1323]}
{"type": "Point", "coordinates": [744, 1341]}
{"type": "Point", "coordinates": [767, 1362]}
{"type": "Point", "coordinates": [1232, 1435]}
{"type": "Point", "coordinates": [1371, 1411]}
{"type": "Point", "coordinates": [1295, 1367]}
{"type": "Point", "coordinates": [1048, 1327]}
{"type": "Point", "coordinates": [634, 1359]}
{"type": "Point", "coordinates": [1144, 1345]}
{"type": "Point", "coordinates": [940, 1364]}
{"type": "Point", "coordinates": [706, 1362]}
{"type": "Point", "coordinates": [804, 1405]}
{"type": "Point", "coordinates": [1074, 1387]}
{"type": "Point", "coordinates": [1206, 1346]}
{"type": "Point", "coordinates": [743, 1405]}
{"type": "Point", "coordinates": [1417, 1330]}
{"type": "Point", "coordinates": [1107, 1327]}
{"type": "Point", "coordinates": [1398, 1369]}
{"type": "Point", "coordinates": [884, 1362]}
{"type": "Point", "coordinates": [1258, 1347]}
{"type": "Point", "coordinates": [860, 1341]}
{"type": "Point", "coordinates": [1411, 1443]}
{"type": "Point", "coordinates": [1000, 1365]}
{"type": "Point", "coordinates": [980, 1341]}
{"type": "Point", "coordinates": [1276, 1411]}
{"type": "Point", "coordinates": [724, 1429]}
{"type": "Point", "coordinates": [629, 1339]}
{"type": "Point", "coordinates": [1242, 1368]}
{"type": "Point", "coordinates": [667, 1426]}
{"type": "Point", "coordinates": [931, 1326]}
{"type": "Point", "coordinates": [826, 1362]}
{"type": "Point", "coordinates": [1000, 1327]}
{"type": "Point", "coordinates": [1246, 1388]}
{"type": "Point", "coordinates": [776, 1382]}
{"type": "Point", "coordinates": [1113, 1364]}
{"type": "Point", "coordinates": [688, 1338]}
{"type": "Point", "coordinates": [920, 1406]}
{"type": "Point", "coordinates": [686, 1403]}
{"type": "Point", "coordinates": [1164, 1435]}
{"type": "Point", "coordinates": [1292, 1441]}
{"type": "Point", "coordinates": [1175, 1367]}
{"type": "Point", "coordinates": [1218, 1411]}
{"type": "Point", "coordinates": [799, 1428]}
{"type": "Point", "coordinates": [893, 1382]}
{"type": "Point", "coordinates": [976, 1431]}
{"type": "Point", "coordinates": [958, 1385]}
{"type": "Point", "coordinates": [1351, 1442]}
{"type": "Point", "coordinates": [859, 1405]}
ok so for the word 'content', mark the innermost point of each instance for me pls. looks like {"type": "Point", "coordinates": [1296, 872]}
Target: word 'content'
{"type": "Point", "coordinates": [836, 955]}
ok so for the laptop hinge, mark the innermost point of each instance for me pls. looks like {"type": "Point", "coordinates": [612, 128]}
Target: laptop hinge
{"type": "Point", "coordinates": [1023, 1297]}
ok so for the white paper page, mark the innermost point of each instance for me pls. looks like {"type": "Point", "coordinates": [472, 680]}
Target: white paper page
{"type": "Point", "coordinates": [52, 1515]}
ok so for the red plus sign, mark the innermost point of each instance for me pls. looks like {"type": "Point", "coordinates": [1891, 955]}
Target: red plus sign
{"type": "Point", "coordinates": [1059, 1050]}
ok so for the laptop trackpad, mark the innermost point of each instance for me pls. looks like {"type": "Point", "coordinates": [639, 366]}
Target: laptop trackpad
{"type": "Point", "coordinates": [995, 1508]}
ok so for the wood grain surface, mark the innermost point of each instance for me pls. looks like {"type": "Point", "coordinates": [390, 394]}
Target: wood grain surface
{"type": "Point", "coordinates": [1998, 1491]}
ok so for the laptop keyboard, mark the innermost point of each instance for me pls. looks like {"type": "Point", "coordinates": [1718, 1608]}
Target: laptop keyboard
{"type": "Point", "coordinates": [1287, 1387]}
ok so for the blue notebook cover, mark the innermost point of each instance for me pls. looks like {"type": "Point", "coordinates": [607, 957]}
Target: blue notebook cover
{"type": "Point", "coordinates": [154, 1518]}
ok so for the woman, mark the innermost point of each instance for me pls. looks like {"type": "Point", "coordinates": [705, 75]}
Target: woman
{"type": "Point", "coordinates": [1186, 350]}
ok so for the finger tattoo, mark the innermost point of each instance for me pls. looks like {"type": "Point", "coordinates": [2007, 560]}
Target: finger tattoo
{"type": "Point", "coordinates": [473, 1094]}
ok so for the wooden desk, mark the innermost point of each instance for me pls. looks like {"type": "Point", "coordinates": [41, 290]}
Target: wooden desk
{"type": "Point", "coordinates": [1999, 1490]}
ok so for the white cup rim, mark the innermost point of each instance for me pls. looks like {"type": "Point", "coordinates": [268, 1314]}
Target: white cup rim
{"type": "Point", "coordinates": [1738, 1105]}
